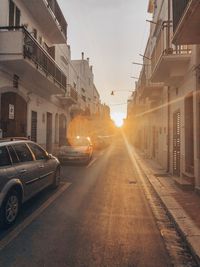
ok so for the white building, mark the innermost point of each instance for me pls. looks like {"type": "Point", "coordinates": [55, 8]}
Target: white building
{"type": "Point", "coordinates": [38, 82]}
{"type": "Point", "coordinates": [89, 96]}
{"type": "Point", "coordinates": [167, 90]}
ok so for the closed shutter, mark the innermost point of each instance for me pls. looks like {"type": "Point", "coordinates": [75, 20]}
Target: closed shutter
{"type": "Point", "coordinates": [176, 142]}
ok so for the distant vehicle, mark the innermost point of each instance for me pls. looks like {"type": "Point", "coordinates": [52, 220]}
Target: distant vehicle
{"type": "Point", "coordinates": [25, 169]}
{"type": "Point", "coordinates": [99, 142]}
{"type": "Point", "coordinates": [77, 150]}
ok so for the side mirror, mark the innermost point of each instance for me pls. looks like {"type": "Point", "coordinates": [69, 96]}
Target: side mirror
{"type": "Point", "coordinates": [49, 156]}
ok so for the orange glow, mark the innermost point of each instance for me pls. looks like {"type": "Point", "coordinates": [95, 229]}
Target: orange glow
{"type": "Point", "coordinates": [118, 118]}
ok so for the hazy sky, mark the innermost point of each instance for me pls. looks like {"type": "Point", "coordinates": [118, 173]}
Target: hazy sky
{"type": "Point", "coordinates": [112, 33]}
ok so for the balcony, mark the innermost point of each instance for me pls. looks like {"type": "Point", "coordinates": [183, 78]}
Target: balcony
{"type": "Point", "coordinates": [186, 21]}
{"type": "Point", "coordinates": [151, 90]}
{"type": "Point", "coordinates": [145, 87]}
{"type": "Point", "coordinates": [49, 17]}
{"type": "Point", "coordinates": [70, 97]}
{"type": "Point", "coordinates": [26, 58]}
{"type": "Point", "coordinates": [169, 62]}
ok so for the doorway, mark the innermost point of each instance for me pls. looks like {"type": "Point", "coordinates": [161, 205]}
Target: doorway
{"type": "Point", "coordinates": [49, 133]}
{"type": "Point", "coordinates": [189, 134]}
{"type": "Point", "coordinates": [62, 129]}
{"type": "Point", "coordinates": [34, 126]}
{"type": "Point", "coordinates": [176, 142]}
{"type": "Point", "coordinates": [13, 115]}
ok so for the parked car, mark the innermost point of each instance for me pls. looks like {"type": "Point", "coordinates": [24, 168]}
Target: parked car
{"type": "Point", "coordinates": [25, 169]}
{"type": "Point", "coordinates": [77, 150]}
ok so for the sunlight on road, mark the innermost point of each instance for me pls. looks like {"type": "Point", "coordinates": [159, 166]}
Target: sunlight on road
{"type": "Point", "coordinates": [132, 157]}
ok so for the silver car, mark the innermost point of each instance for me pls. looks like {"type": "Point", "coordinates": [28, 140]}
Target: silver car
{"type": "Point", "coordinates": [25, 169]}
{"type": "Point", "coordinates": [77, 150]}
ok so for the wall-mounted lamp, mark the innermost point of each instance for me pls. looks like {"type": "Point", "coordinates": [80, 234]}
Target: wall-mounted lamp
{"type": "Point", "coordinates": [153, 22]}
{"type": "Point", "coordinates": [135, 63]}
{"type": "Point", "coordinates": [144, 56]}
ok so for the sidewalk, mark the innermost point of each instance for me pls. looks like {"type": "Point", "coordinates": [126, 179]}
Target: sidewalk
{"type": "Point", "coordinates": [182, 206]}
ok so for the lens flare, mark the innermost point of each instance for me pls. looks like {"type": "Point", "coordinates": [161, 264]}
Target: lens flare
{"type": "Point", "coordinates": [118, 119]}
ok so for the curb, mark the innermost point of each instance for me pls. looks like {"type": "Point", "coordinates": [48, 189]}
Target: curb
{"type": "Point", "coordinates": [186, 226]}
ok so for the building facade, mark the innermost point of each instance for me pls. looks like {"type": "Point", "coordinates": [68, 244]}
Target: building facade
{"type": "Point", "coordinates": [37, 77]}
{"type": "Point", "coordinates": [167, 91]}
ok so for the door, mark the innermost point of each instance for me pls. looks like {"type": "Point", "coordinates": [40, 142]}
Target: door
{"type": "Point", "coordinates": [46, 166]}
{"type": "Point", "coordinates": [189, 134]}
{"type": "Point", "coordinates": [7, 171]}
{"type": "Point", "coordinates": [49, 133]}
{"type": "Point", "coordinates": [176, 142]}
{"type": "Point", "coordinates": [13, 115]}
{"type": "Point", "coordinates": [27, 169]}
{"type": "Point", "coordinates": [34, 126]}
{"type": "Point", "coordinates": [62, 130]}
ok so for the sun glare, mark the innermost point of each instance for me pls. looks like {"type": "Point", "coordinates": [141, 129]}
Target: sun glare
{"type": "Point", "coordinates": [118, 119]}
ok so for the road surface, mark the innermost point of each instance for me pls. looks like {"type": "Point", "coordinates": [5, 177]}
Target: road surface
{"type": "Point", "coordinates": [99, 216]}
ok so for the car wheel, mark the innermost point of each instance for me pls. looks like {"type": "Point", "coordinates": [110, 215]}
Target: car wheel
{"type": "Point", "coordinates": [56, 180]}
{"type": "Point", "coordinates": [10, 209]}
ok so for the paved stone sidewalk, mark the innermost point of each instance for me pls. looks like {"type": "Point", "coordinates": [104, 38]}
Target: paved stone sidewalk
{"type": "Point", "coordinates": [183, 206]}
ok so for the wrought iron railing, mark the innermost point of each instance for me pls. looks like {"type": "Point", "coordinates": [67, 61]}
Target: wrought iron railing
{"type": "Point", "coordinates": [33, 51]}
{"type": "Point", "coordinates": [53, 5]}
{"type": "Point", "coordinates": [164, 46]}
{"type": "Point", "coordinates": [71, 92]}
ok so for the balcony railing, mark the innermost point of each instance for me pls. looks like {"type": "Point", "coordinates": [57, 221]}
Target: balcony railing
{"type": "Point", "coordinates": [33, 51]}
{"type": "Point", "coordinates": [53, 5]}
{"type": "Point", "coordinates": [179, 8]}
{"type": "Point", "coordinates": [71, 92]}
{"type": "Point", "coordinates": [164, 47]}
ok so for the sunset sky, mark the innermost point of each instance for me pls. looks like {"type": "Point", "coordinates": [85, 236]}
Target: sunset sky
{"type": "Point", "coordinates": [112, 33]}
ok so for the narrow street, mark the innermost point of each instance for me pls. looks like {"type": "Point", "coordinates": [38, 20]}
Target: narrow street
{"type": "Point", "coordinates": [103, 218]}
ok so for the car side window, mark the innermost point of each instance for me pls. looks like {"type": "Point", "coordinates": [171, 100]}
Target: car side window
{"type": "Point", "coordinates": [39, 153]}
{"type": "Point", "coordinates": [23, 152]}
{"type": "Point", "coordinates": [4, 157]}
{"type": "Point", "coordinates": [13, 154]}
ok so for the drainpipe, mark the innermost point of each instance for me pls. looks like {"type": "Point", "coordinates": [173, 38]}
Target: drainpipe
{"type": "Point", "coordinates": [168, 25]}
{"type": "Point", "coordinates": [168, 91]}
{"type": "Point", "coordinates": [168, 129]}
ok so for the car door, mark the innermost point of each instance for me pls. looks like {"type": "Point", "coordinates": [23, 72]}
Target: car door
{"type": "Point", "coordinates": [27, 169]}
{"type": "Point", "coordinates": [46, 165]}
{"type": "Point", "coordinates": [7, 171]}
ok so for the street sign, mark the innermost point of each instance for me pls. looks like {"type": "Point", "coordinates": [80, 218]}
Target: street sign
{"type": "Point", "coordinates": [11, 112]}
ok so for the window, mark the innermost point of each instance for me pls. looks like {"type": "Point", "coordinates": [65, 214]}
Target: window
{"type": "Point", "coordinates": [23, 152]}
{"type": "Point", "coordinates": [39, 153]}
{"type": "Point", "coordinates": [11, 13]}
{"type": "Point", "coordinates": [13, 154]}
{"type": "Point", "coordinates": [14, 14]}
{"type": "Point", "coordinates": [4, 157]}
{"type": "Point", "coordinates": [83, 97]}
{"type": "Point", "coordinates": [17, 17]}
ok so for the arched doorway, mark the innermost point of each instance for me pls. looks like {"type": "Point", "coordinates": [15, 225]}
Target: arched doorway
{"type": "Point", "coordinates": [62, 129]}
{"type": "Point", "coordinates": [13, 115]}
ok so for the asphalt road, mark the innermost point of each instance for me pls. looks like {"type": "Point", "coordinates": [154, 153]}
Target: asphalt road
{"type": "Point", "coordinates": [98, 217]}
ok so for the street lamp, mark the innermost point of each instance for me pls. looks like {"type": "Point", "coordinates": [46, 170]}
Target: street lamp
{"type": "Point", "coordinates": [136, 63]}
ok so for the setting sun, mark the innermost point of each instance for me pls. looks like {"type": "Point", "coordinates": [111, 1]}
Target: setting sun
{"type": "Point", "coordinates": [118, 119]}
